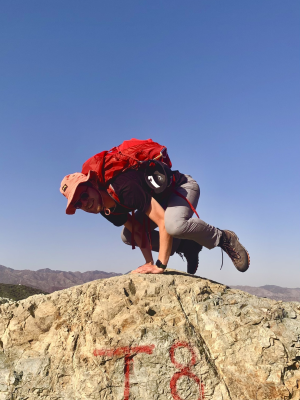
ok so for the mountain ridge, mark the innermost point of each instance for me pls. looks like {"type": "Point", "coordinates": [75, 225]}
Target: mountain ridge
{"type": "Point", "coordinates": [272, 292]}
{"type": "Point", "coordinates": [50, 280]}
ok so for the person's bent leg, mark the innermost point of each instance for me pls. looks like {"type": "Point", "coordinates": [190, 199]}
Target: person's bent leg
{"type": "Point", "coordinates": [180, 224]}
{"type": "Point", "coordinates": [178, 217]}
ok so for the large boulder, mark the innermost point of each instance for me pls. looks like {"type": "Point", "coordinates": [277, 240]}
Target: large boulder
{"type": "Point", "coordinates": [149, 337]}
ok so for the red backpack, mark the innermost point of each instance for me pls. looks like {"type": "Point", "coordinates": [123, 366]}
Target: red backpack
{"type": "Point", "coordinates": [130, 154]}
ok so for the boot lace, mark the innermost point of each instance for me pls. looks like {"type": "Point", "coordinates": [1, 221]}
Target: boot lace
{"type": "Point", "coordinates": [182, 255]}
{"type": "Point", "coordinates": [227, 247]}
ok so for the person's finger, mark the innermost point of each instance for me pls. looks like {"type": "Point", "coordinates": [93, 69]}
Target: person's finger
{"type": "Point", "coordinates": [136, 271]}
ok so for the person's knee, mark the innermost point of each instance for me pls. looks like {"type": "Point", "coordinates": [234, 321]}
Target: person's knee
{"type": "Point", "coordinates": [126, 236]}
{"type": "Point", "coordinates": [175, 228]}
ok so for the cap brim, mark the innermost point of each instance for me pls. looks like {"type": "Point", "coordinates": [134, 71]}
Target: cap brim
{"type": "Point", "coordinates": [70, 210]}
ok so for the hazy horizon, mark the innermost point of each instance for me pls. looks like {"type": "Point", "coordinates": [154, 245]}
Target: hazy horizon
{"type": "Point", "coordinates": [115, 272]}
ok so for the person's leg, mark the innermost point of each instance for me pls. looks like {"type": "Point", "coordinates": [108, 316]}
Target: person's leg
{"type": "Point", "coordinates": [179, 224]}
{"type": "Point", "coordinates": [178, 217]}
{"type": "Point", "coordinates": [126, 234]}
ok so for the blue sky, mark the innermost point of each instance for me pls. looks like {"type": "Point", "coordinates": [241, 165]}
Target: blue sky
{"type": "Point", "coordinates": [217, 82]}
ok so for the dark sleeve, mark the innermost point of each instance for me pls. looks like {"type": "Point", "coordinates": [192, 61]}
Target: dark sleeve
{"type": "Point", "coordinates": [133, 195]}
{"type": "Point", "coordinates": [180, 179]}
{"type": "Point", "coordinates": [117, 220]}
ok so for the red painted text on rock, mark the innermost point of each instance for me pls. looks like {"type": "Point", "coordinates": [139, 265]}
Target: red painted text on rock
{"type": "Point", "coordinates": [128, 353]}
{"type": "Point", "coordinates": [184, 370]}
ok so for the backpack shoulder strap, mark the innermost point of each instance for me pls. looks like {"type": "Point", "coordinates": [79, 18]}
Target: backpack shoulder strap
{"type": "Point", "coordinates": [110, 190]}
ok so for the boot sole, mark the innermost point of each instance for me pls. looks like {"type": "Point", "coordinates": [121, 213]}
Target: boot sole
{"type": "Point", "coordinates": [240, 269]}
{"type": "Point", "coordinates": [192, 273]}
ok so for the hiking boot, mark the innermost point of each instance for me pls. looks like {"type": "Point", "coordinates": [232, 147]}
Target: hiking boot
{"type": "Point", "coordinates": [229, 242]}
{"type": "Point", "coordinates": [190, 250]}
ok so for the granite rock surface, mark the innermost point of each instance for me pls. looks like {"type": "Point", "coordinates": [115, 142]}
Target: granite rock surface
{"type": "Point", "coordinates": [149, 337]}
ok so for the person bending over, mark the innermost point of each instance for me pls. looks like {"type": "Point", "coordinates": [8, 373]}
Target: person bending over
{"type": "Point", "coordinates": [171, 212]}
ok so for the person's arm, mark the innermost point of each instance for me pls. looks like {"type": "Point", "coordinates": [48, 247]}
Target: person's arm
{"type": "Point", "coordinates": [138, 232]}
{"type": "Point", "coordinates": [157, 214]}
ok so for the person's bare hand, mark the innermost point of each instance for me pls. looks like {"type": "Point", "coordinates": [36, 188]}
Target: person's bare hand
{"type": "Point", "coordinates": [148, 268]}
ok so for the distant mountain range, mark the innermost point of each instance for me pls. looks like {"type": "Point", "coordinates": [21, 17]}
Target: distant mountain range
{"type": "Point", "coordinates": [49, 280]}
{"type": "Point", "coordinates": [272, 292]}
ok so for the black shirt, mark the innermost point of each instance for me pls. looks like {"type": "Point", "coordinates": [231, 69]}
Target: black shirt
{"type": "Point", "coordinates": [135, 194]}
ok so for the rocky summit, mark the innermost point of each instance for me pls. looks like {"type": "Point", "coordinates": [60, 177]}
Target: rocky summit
{"type": "Point", "coordinates": [149, 337]}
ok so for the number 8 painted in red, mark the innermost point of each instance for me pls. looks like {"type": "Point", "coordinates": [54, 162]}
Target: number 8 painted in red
{"type": "Point", "coordinates": [184, 370]}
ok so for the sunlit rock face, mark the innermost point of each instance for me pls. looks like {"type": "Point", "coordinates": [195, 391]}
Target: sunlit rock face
{"type": "Point", "coordinates": [149, 337]}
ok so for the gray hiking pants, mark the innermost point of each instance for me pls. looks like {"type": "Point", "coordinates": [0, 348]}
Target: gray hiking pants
{"type": "Point", "coordinates": [179, 222]}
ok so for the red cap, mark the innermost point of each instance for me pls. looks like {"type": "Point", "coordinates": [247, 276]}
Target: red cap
{"type": "Point", "coordinates": [69, 185]}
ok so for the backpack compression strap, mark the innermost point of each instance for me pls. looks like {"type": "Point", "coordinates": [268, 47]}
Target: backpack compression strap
{"type": "Point", "coordinates": [189, 203]}
{"type": "Point", "coordinates": [182, 196]}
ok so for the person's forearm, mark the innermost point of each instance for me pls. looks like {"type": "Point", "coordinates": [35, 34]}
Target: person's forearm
{"type": "Point", "coordinates": [165, 245]}
{"type": "Point", "coordinates": [147, 255]}
{"type": "Point", "coordinates": [156, 213]}
{"type": "Point", "coordinates": [138, 238]}
{"type": "Point", "coordinates": [146, 251]}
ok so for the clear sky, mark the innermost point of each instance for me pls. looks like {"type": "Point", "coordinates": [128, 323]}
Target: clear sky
{"type": "Point", "coordinates": [216, 81]}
